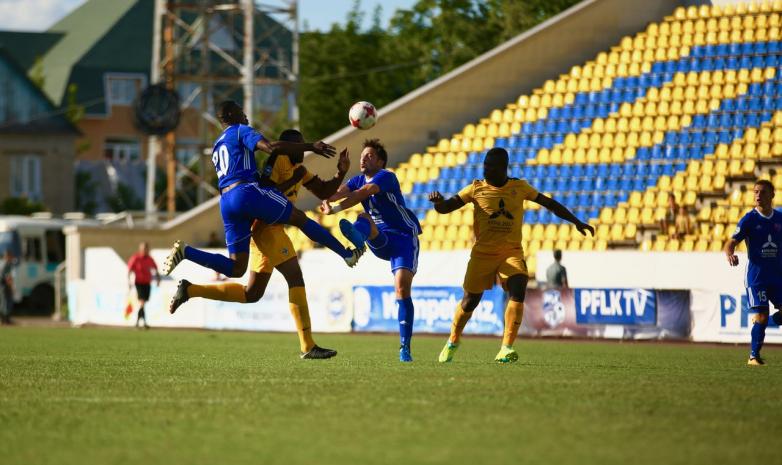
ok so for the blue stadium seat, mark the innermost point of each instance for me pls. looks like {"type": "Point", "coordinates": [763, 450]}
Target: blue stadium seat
{"type": "Point", "coordinates": [530, 216]}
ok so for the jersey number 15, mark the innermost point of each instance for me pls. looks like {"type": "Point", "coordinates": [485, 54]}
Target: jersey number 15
{"type": "Point", "coordinates": [220, 160]}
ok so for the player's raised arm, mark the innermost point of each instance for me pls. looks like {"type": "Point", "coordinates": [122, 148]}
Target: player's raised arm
{"type": "Point", "coordinates": [563, 212]}
{"type": "Point", "coordinates": [295, 148]}
{"type": "Point", "coordinates": [327, 189]}
{"type": "Point", "coordinates": [351, 198]}
{"type": "Point", "coordinates": [445, 206]}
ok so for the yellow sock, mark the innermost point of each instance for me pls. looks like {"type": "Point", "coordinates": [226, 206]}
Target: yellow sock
{"type": "Point", "coordinates": [227, 292]}
{"type": "Point", "coordinates": [460, 319]}
{"type": "Point", "coordinates": [514, 311]}
{"type": "Point", "coordinates": [301, 315]}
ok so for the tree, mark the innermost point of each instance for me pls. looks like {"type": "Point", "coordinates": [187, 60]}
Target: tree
{"type": "Point", "coordinates": [433, 37]}
{"type": "Point", "coordinates": [20, 206]}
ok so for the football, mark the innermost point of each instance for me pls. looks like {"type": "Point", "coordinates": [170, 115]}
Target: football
{"type": "Point", "coordinates": [362, 115]}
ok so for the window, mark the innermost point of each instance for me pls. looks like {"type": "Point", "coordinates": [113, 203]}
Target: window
{"type": "Point", "coordinates": [26, 176]}
{"type": "Point", "coordinates": [123, 88]}
{"type": "Point", "coordinates": [55, 246]}
{"type": "Point", "coordinates": [122, 150]}
{"type": "Point", "coordinates": [31, 249]}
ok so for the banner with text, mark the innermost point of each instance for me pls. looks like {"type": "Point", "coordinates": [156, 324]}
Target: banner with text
{"type": "Point", "coordinates": [726, 317]}
{"type": "Point", "coordinates": [607, 313]}
{"type": "Point", "coordinates": [375, 309]}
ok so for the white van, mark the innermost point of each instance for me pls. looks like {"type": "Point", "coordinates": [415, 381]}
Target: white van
{"type": "Point", "coordinates": [39, 246]}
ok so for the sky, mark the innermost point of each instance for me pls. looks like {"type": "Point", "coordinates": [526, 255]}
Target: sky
{"type": "Point", "coordinates": [38, 15]}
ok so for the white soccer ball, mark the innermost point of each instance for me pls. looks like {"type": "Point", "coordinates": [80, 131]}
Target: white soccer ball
{"type": "Point", "coordinates": [362, 115]}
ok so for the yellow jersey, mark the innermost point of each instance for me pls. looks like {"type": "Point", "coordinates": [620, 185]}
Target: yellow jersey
{"type": "Point", "coordinates": [283, 171]}
{"type": "Point", "coordinates": [498, 213]}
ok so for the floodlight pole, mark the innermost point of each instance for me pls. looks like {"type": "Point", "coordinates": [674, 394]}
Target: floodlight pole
{"type": "Point", "coordinates": [248, 63]}
{"type": "Point", "coordinates": [154, 146]}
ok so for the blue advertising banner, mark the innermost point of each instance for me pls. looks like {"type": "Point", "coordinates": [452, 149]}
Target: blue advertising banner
{"type": "Point", "coordinates": [374, 309]}
{"type": "Point", "coordinates": [616, 307]}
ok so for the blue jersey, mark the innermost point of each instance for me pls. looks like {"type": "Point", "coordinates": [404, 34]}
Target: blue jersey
{"type": "Point", "coordinates": [387, 207]}
{"type": "Point", "coordinates": [763, 236]}
{"type": "Point", "coordinates": [233, 155]}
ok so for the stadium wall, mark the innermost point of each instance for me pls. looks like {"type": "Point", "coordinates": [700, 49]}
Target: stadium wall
{"type": "Point", "coordinates": [628, 296]}
{"type": "Point", "coordinates": [447, 104]}
{"type": "Point", "coordinates": [192, 227]}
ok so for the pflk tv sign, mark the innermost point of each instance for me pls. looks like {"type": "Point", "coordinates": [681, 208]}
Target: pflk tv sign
{"type": "Point", "coordinates": [616, 307]}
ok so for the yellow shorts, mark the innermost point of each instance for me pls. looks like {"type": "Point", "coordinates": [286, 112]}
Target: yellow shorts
{"type": "Point", "coordinates": [270, 247]}
{"type": "Point", "coordinates": [483, 269]}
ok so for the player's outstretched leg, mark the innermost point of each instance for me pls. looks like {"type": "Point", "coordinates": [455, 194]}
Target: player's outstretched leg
{"type": "Point", "coordinates": [318, 234]}
{"type": "Point", "coordinates": [759, 325]}
{"type": "Point", "coordinates": [225, 292]}
{"type": "Point", "coordinates": [181, 251]}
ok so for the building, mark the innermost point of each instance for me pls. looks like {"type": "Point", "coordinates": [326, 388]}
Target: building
{"type": "Point", "coordinates": [37, 142]}
{"type": "Point", "coordinates": [99, 57]}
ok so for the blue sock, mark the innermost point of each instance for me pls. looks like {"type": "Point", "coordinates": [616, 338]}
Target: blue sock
{"type": "Point", "coordinates": [362, 225]}
{"type": "Point", "coordinates": [318, 234]}
{"type": "Point", "coordinates": [406, 318]}
{"type": "Point", "coordinates": [758, 335]}
{"type": "Point", "coordinates": [214, 261]}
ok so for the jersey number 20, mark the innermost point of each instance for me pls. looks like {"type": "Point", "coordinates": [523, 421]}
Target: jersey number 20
{"type": "Point", "coordinates": [220, 160]}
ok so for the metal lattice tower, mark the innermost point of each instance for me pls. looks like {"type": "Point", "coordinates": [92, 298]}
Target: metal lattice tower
{"type": "Point", "coordinates": [213, 51]}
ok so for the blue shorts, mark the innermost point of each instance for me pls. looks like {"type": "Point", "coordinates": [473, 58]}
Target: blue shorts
{"type": "Point", "coordinates": [398, 248]}
{"type": "Point", "coordinates": [245, 203]}
{"type": "Point", "coordinates": [760, 296]}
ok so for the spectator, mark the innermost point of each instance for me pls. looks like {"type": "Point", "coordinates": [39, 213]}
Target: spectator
{"type": "Point", "coordinates": [6, 287]}
{"type": "Point", "coordinates": [683, 223]}
{"type": "Point", "coordinates": [556, 274]}
{"type": "Point", "coordinates": [669, 218]}
{"type": "Point", "coordinates": [141, 264]}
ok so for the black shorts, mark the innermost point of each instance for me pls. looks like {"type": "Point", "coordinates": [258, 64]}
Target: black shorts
{"type": "Point", "coordinates": [142, 291]}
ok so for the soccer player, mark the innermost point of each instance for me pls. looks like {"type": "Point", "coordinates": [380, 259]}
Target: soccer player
{"type": "Point", "coordinates": [761, 228]}
{"type": "Point", "coordinates": [141, 265]}
{"type": "Point", "coordinates": [389, 228]}
{"type": "Point", "coordinates": [499, 210]}
{"type": "Point", "coordinates": [271, 248]}
{"type": "Point", "coordinates": [243, 200]}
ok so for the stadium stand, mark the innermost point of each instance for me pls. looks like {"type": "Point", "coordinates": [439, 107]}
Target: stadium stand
{"type": "Point", "coordinates": [691, 107]}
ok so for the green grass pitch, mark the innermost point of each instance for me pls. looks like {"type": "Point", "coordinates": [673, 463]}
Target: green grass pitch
{"type": "Point", "coordinates": [112, 396]}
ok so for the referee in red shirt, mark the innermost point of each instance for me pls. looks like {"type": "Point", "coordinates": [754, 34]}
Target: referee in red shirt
{"type": "Point", "coordinates": [141, 265]}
